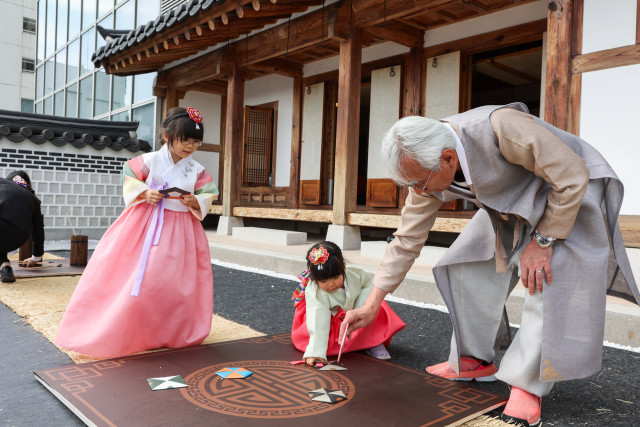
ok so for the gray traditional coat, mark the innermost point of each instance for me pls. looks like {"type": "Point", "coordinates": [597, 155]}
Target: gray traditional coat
{"type": "Point", "coordinates": [524, 178]}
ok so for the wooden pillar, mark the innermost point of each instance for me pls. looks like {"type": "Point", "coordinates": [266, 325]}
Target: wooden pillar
{"type": "Point", "coordinates": [413, 79]}
{"type": "Point", "coordinates": [170, 101]}
{"type": "Point", "coordinates": [348, 124]}
{"type": "Point", "coordinates": [234, 127]}
{"type": "Point", "coordinates": [296, 136]}
{"type": "Point", "coordinates": [559, 37]}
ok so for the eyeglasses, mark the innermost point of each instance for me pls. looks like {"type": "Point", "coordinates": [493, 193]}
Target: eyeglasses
{"type": "Point", "coordinates": [422, 190]}
{"type": "Point", "coordinates": [188, 143]}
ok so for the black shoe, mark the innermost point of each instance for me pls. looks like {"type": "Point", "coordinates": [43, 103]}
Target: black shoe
{"type": "Point", "coordinates": [7, 274]}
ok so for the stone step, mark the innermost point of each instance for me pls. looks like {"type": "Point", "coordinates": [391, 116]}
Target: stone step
{"type": "Point", "coordinates": [269, 235]}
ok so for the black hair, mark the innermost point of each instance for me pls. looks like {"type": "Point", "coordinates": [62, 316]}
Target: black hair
{"type": "Point", "coordinates": [332, 267]}
{"type": "Point", "coordinates": [178, 124]}
{"type": "Point", "coordinates": [21, 174]}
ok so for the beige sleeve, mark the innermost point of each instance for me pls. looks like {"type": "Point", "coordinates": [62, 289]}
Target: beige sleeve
{"type": "Point", "coordinates": [418, 216]}
{"type": "Point", "coordinates": [524, 142]}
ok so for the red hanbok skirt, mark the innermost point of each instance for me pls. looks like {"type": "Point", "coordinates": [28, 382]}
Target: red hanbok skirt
{"type": "Point", "coordinates": [379, 331]}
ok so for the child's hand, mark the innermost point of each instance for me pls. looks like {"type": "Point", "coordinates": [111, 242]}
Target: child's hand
{"type": "Point", "coordinates": [190, 201]}
{"type": "Point", "coordinates": [312, 360]}
{"type": "Point", "coordinates": [152, 196]}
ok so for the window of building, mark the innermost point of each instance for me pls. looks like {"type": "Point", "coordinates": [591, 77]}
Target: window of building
{"type": "Point", "coordinates": [28, 25]}
{"type": "Point", "coordinates": [26, 105]}
{"type": "Point", "coordinates": [39, 82]}
{"type": "Point", "coordinates": [28, 65]}
{"type": "Point", "coordinates": [41, 30]}
{"type": "Point", "coordinates": [61, 64]}
{"type": "Point", "coordinates": [101, 94]}
{"type": "Point", "coordinates": [88, 13]}
{"type": "Point", "coordinates": [48, 105]}
{"type": "Point", "coordinates": [125, 15]}
{"type": "Point", "coordinates": [39, 107]}
{"type": "Point", "coordinates": [72, 101]}
{"type": "Point", "coordinates": [85, 98]}
{"type": "Point", "coordinates": [258, 136]}
{"type": "Point", "coordinates": [104, 6]}
{"type": "Point", "coordinates": [87, 48]}
{"type": "Point", "coordinates": [146, 115]}
{"type": "Point", "coordinates": [121, 117]}
{"type": "Point", "coordinates": [146, 11]}
{"type": "Point", "coordinates": [58, 103]}
{"type": "Point", "coordinates": [143, 87]}
{"type": "Point", "coordinates": [75, 13]}
{"type": "Point", "coordinates": [121, 95]}
{"type": "Point", "coordinates": [73, 60]}
{"type": "Point", "coordinates": [48, 76]}
{"type": "Point", "coordinates": [61, 33]}
{"type": "Point", "coordinates": [50, 42]}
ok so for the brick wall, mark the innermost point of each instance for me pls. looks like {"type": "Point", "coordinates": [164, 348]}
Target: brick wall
{"type": "Point", "coordinates": [84, 184]}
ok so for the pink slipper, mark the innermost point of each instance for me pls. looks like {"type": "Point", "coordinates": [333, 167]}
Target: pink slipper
{"type": "Point", "coordinates": [472, 369]}
{"type": "Point", "coordinates": [523, 408]}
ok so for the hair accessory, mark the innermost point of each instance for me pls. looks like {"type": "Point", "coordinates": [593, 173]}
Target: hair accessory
{"type": "Point", "coordinates": [319, 256]}
{"type": "Point", "coordinates": [20, 181]}
{"type": "Point", "coordinates": [298, 294]}
{"type": "Point", "coordinates": [195, 116]}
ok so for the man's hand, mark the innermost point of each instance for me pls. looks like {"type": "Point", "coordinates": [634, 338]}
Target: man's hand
{"type": "Point", "coordinates": [362, 316]}
{"type": "Point", "coordinates": [535, 263]}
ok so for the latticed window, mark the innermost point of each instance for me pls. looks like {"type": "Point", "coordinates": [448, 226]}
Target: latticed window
{"type": "Point", "coordinates": [258, 135]}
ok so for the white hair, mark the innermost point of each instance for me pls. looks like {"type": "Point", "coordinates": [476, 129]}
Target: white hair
{"type": "Point", "coordinates": [419, 138]}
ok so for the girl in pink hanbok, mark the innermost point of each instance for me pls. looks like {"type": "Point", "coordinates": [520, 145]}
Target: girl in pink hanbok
{"type": "Point", "coordinates": [149, 283]}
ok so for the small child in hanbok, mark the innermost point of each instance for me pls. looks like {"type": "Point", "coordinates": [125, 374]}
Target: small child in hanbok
{"type": "Point", "coordinates": [149, 282]}
{"type": "Point", "coordinates": [329, 288]}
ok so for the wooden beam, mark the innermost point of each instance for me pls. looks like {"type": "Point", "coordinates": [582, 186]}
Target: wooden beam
{"type": "Point", "coordinates": [604, 59]}
{"type": "Point", "coordinates": [296, 137]}
{"type": "Point", "coordinates": [347, 137]}
{"type": "Point", "coordinates": [217, 87]}
{"type": "Point", "coordinates": [278, 66]}
{"type": "Point", "coordinates": [558, 55]}
{"type": "Point", "coordinates": [233, 139]}
{"type": "Point", "coordinates": [281, 213]}
{"type": "Point", "coordinates": [447, 225]}
{"type": "Point", "coordinates": [511, 36]}
{"type": "Point", "coordinates": [573, 113]}
{"type": "Point", "coordinates": [372, 12]}
{"type": "Point", "coordinates": [398, 32]}
{"type": "Point", "coordinates": [208, 67]}
{"type": "Point", "coordinates": [510, 70]}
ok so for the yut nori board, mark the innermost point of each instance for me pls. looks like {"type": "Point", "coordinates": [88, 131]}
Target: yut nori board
{"type": "Point", "coordinates": [378, 393]}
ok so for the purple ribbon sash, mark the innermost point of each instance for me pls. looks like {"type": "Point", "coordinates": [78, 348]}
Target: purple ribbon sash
{"type": "Point", "coordinates": [152, 238]}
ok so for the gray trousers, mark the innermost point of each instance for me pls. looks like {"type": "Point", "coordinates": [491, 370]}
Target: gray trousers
{"type": "Point", "coordinates": [480, 312]}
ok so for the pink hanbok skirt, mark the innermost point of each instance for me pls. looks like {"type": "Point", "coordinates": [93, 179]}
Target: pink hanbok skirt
{"type": "Point", "coordinates": [174, 306]}
{"type": "Point", "coordinates": [380, 331]}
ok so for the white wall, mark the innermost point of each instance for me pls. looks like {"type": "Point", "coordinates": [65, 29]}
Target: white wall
{"type": "Point", "coordinates": [487, 23]}
{"type": "Point", "coordinates": [608, 24]}
{"type": "Point", "coordinates": [14, 45]}
{"type": "Point", "coordinates": [270, 89]}
{"type": "Point", "coordinates": [210, 108]}
{"type": "Point", "coordinates": [610, 109]}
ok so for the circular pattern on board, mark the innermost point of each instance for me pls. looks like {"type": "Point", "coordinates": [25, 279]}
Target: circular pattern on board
{"type": "Point", "coordinates": [275, 390]}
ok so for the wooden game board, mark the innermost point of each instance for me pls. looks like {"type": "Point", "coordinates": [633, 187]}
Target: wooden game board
{"type": "Point", "coordinates": [379, 393]}
{"type": "Point", "coordinates": [57, 267]}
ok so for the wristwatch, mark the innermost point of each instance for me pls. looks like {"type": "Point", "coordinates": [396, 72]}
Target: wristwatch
{"type": "Point", "coordinates": [543, 241]}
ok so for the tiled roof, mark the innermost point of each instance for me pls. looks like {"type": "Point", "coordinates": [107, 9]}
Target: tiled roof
{"type": "Point", "coordinates": [98, 134]}
{"type": "Point", "coordinates": [119, 40]}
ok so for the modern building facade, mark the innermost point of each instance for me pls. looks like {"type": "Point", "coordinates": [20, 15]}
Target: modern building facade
{"type": "Point", "coordinates": [17, 44]}
{"type": "Point", "coordinates": [66, 81]}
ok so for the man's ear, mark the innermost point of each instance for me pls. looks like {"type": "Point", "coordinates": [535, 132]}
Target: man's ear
{"type": "Point", "coordinates": [448, 156]}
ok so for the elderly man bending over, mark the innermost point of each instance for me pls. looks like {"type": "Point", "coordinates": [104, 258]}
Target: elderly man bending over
{"type": "Point", "coordinates": [549, 205]}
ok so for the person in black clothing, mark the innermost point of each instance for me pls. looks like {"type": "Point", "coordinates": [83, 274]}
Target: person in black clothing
{"type": "Point", "coordinates": [20, 217]}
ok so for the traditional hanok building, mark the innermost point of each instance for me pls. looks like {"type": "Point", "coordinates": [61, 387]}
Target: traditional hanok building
{"type": "Point", "coordinates": [297, 95]}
